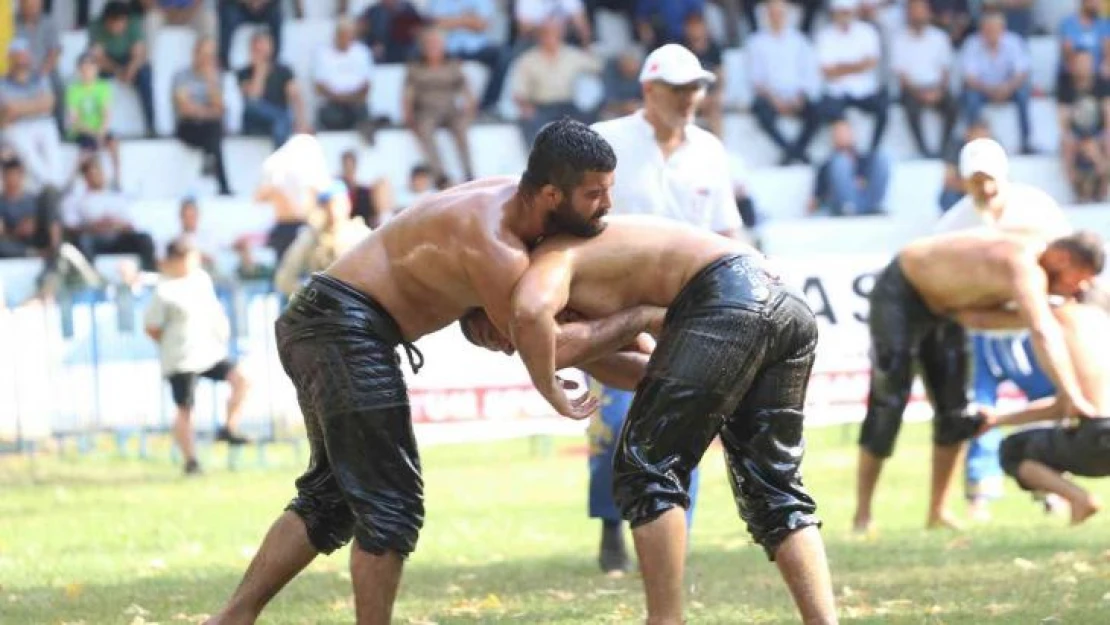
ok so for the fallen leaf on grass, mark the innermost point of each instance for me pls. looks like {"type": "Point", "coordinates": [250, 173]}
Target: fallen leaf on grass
{"type": "Point", "coordinates": [191, 618]}
{"type": "Point", "coordinates": [846, 591]}
{"type": "Point", "coordinates": [470, 607]}
{"type": "Point", "coordinates": [994, 609]}
{"type": "Point", "coordinates": [963, 542]}
{"type": "Point", "coordinates": [1066, 579]}
{"type": "Point", "coordinates": [1050, 619]}
{"type": "Point", "coordinates": [13, 598]}
{"type": "Point", "coordinates": [697, 605]}
{"type": "Point", "coordinates": [138, 620]}
{"type": "Point", "coordinates": [342, 603]}
{"type": "Point", "coordinates": [1024, 564]}
{"type": "Point", "coordinates": [135, 610]}
{"type": "Point", "coordinates": [454, 589]}
{"type": "Point", "coordinates": [934, 609]}
{"type": "Point", "coordinates": [560, 595]}
{"type": "Point", "coordinates": [74, 590]}
{"type": "Point", "coordinates": [1061, 557]}
{"type": "Point", "coordinates": [420, 621]}
{"type": "Point", "coordinates": [1082, 567]}
{"type": "Point", "coordinates": [859, 611]}
{"type": "Point", "coordinates": [1106, 597]}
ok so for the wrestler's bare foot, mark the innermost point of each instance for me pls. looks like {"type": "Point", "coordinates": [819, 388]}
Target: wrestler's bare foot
{"type": "Point", "coordinates": [944, 520]}
{"type": "Point", "coordinates": [861, 525]}
{"type": "Point", "coordinates": [1084, 509]}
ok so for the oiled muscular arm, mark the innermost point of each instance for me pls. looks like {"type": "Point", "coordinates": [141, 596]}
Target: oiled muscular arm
{"type": "Point", "coordinates": [992, 319]}
{"type": "Point", "coordinates": [538, 298]}
{"type": "Point", "coordinates": [1030, 286]}
{"type": "Point", "coordinates": [1044, 409]}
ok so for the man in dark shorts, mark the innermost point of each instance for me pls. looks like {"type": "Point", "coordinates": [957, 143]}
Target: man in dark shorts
{"type": "Point", "coordinates": [189, 324]}
{"type": "Point", "coordinates": [985, 278]}
{"type": "Point", "coordinates": [733, 359]}
{"type": "Point", "coordinates": [1037, 457]}
{"type": "Point", "coordinates": [451, 252]}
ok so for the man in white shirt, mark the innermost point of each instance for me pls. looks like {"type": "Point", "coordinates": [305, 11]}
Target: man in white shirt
{"type": "Point", "coordinates": [666, 166]}
{"type": "Point", "coordinates": [991, 200]}
{"type": "Point", "coordinates": [849, 51]}
{"type": "Point", "coordinates": [996, 66]}
{"type": "Point", "coordinates": [191, 328]}
{"type": "Point", "coordinates": [531, 15]}
{"type": "Point", "coordinates": [342, 77]}
{"type": "Point", "coordinates": [782, 67]}
{"type": "Point", "coordinates": [922, 55]}
{"type": "Point", "coordinates": [98, 220]}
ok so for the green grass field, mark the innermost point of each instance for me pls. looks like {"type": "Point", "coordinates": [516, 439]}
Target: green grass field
{"type": "Point", "coordinates": [101, 540]}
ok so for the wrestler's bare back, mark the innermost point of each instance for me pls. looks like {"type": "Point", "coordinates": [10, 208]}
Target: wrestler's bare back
{"type": "Point", "coordinates": [966, 270]}
{"type": "Point", "coordinates": [637, 261]}
{"type": "Point", "coordinates": [1089, 357]}
{"type": "Point", "coordinates": [420, 265]}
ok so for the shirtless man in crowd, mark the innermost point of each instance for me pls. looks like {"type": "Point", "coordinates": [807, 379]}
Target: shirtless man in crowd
{"type": "Point", "coordinates": [733, 359]}
{"type": "Point", "coordinates": [337, 340]}
{"type": "Point", "coordinates": [986, 279]}
{"type": "Point", "coordinates": [1037, 457]}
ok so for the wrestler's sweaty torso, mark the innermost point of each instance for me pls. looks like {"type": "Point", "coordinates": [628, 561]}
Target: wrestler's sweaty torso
{"type": "Point", "coordinates": [638, 260]}
{"type": "Point", "coordinates": [420, 266]}
{"type": "Point", "coordinates": [968, 270]}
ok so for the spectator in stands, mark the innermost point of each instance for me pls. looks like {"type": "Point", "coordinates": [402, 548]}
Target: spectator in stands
{"type": "Point", "coordinates": [465, 24]}
{"type": "Point", "coordinates": [191, 328]}
{"type": "Point", "coordinates": [437, 95]}
{"type": "Point", "coordinates": [191, 13]}
{"type": "Point", "coordinates": [343, 73]}
{"type": "Point", "coordinates": [332, 232]}
{"type": "Point", "coordinates": [954, 18]}
{"type": "Point", "coordinates": [697, 40]}
{"type": "Point", "coordinates": [199, 102]}
{"type": "Point", "coordinates": [623, 92]}
{"type": "Point", "coordinates": [389, 29]}
{"type": "Point", "coordinates": [40, 31]}
{"type": "Point", "coordinates": [1083, 108]}
{"type": "Point", "coordinates": [30, 228]}
{"type": "Point", "coordinates": [782, 69]}
{"type": "Point", "coordinates": [121, 52]}
{"type": "Point", "coordinates": [953, 187]}
{"type": "Point", "coordinates": [374, 203]}
{"type": "Point", "coordinates": [545, 80]}
{"type": "Point", "coordinates": [850, 182]}
{"type": "Point", "coordinates": [422, 183]}
{"type": "Point", "coordinates": [1017, 13]}
{"type": "Point", "coordinates": [996, 70]}
{"type": "Point", "coordinates": [922, 56]}
{"type": "Point", "coordinates": [272, 102]}
{"type": "Point", "coordinates": [659, 22]}
{"type": "Point", "coordinates": [808, 8]}
{"type": "Point", "coordinates": [849, 51]}
{"type": "Point", "coordinates": [203, 240]}
{"type": "Point", "coordinates": [98, 219]}
{"type": "Point", "coordinates": [530, 16]}
{"type": "Point", "coordinates": [1085, 31]}
{"type": "Point", "coordinates": [88, 105]}
{"type": "Point", "coordinates": [26, 116]}
{"type": "Point", "coordinates": [235, 13]}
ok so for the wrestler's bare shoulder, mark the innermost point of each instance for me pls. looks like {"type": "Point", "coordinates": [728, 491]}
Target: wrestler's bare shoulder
{"type": "Point", "coordinates": [647, 234]}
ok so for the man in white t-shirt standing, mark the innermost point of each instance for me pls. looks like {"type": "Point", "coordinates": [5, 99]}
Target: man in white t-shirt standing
{"type": "Point", "coordinates": [992, 200]}
{"type": "Point", "coordinates": [666, 166]}
{"type": "Point", "coordinates": [191, 328]}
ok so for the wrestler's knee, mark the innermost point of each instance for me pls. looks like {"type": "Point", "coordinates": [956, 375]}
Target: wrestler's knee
{"type": "Point", "coordinates": [389, 523]}
{"type": "Point", "coordinates": [953, 427]}
{"type": "Point", "coordinates": [328, 521]}
{"type": "Point", "coordinates": [1012, 452]}
{"type": "Point", "coordinates": [643, 491]}
{"type": "Point", "coordinates": [766, 475]}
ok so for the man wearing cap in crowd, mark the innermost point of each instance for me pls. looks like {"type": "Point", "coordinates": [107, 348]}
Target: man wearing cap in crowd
{"type": "Point", "coordinates": [991, 200]}
{"type": "Point", "coordinates": [669, 167]}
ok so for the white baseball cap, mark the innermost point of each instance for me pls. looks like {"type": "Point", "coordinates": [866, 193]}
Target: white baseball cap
{"type": "Point", "coordinates": [984, 156]}
{"type": "Point", "coordinates": [674, 65]}
{"type": "Point", "coordinates": [843, 5]}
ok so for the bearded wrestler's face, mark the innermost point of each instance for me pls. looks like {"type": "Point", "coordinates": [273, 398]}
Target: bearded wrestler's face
{"type": "Point", "coordinates": [581, 210]}
{"type": "Point", "coordinates": [1066, 275]}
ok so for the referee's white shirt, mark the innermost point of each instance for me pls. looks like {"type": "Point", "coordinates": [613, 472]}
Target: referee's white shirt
{"type": "Point", "coordinates": [1027, 208]}
{"type": "Point", "coordinates": [692, 185]}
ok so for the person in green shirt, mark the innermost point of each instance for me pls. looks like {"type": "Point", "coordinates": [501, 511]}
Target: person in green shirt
{"type": "Point", "coordinates": [121, 53]}
{"type": "Point", "coordinates": [88, 110]}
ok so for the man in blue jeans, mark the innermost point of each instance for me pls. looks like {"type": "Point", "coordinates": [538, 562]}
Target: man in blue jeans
{"type": "Point", "coordinates": [996, 66]}
{"type": "Point", "coordinates": [235, 13]}
{"type": "Point", "coordinates": [850, 183]}
{"type": "Point", "coordinates": [272, 104]}
{"type": "Point", "coordinates": [998, 358]}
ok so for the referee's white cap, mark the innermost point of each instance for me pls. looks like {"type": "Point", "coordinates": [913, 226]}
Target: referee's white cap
{"type": "Point", "coordinates": [674, 65]}
{"type": "Point", "coordinates": [984, 156]}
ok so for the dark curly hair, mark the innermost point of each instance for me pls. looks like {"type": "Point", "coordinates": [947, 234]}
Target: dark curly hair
{"type": "Point", "coordinates": [563, 151]}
